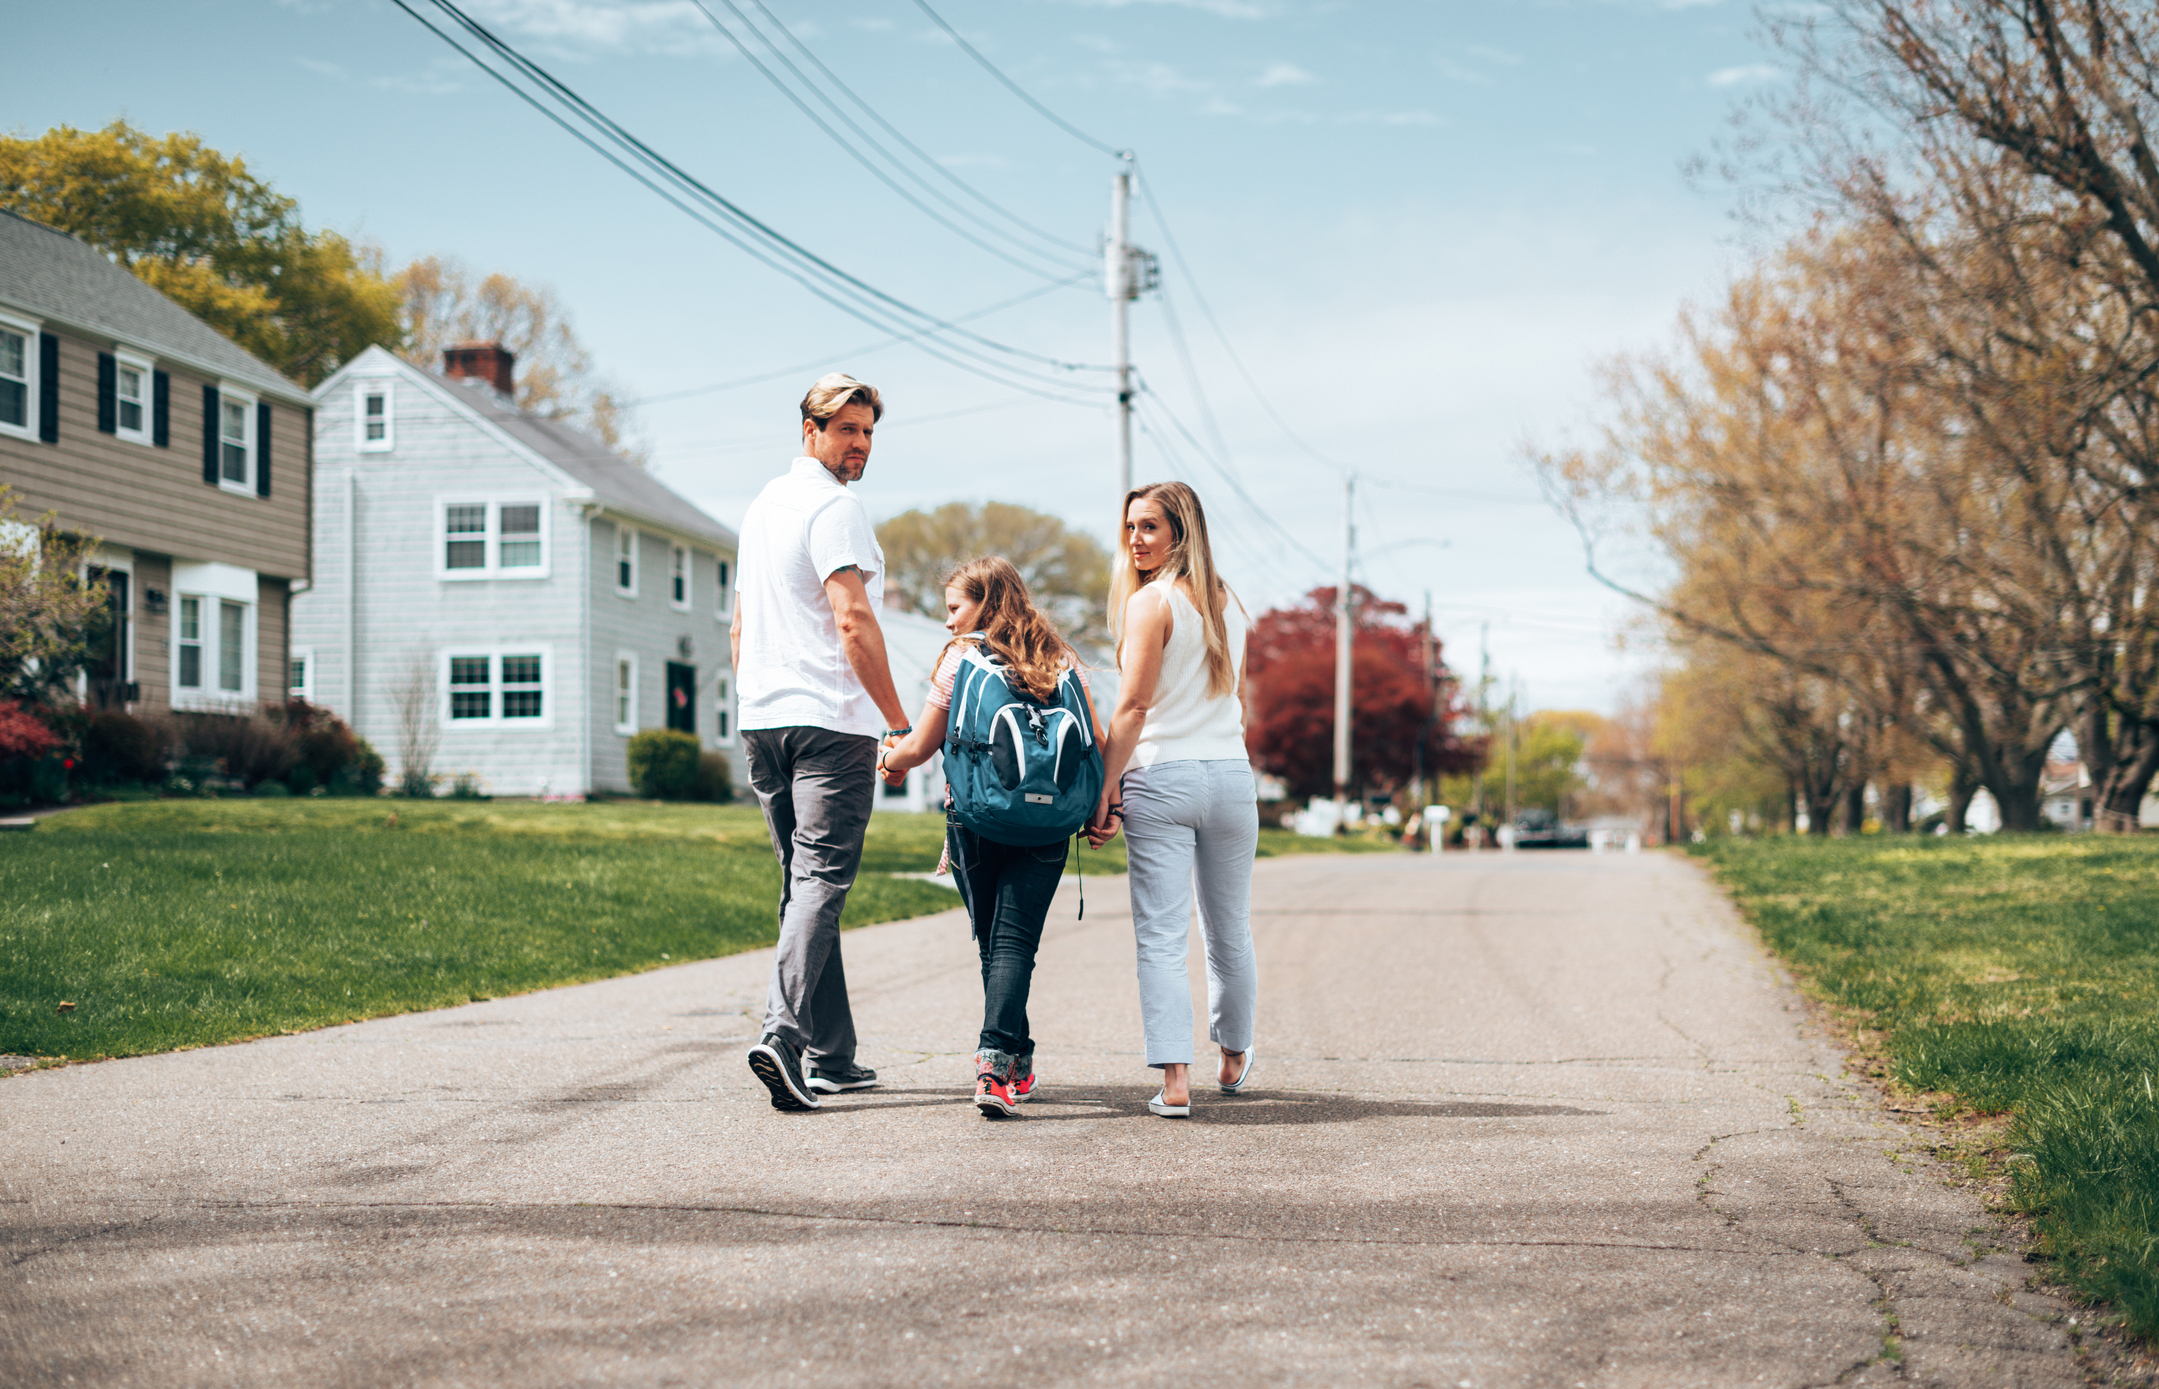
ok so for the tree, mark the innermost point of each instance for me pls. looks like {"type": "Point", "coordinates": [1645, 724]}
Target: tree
{"type": "Point", "coordinates": [200, 227]}
{"type": "Point", "coordinates": [1399, 705]}
{"type": "Point", "coordinates": [442, 304]}
{"type": "Point", "coordinates": [1066, 570]}
{"type": "Point", "coordinates": [46, 608]}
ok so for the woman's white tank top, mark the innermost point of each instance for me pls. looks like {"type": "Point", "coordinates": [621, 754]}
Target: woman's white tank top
{"type": "Point", "coordinates": [1184, 722]}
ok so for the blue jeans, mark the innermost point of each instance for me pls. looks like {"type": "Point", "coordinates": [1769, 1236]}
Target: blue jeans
{"type": "Point", "coordinates": [1007, 890]}
{"type": "Point", "coordinates": [1188, 824]}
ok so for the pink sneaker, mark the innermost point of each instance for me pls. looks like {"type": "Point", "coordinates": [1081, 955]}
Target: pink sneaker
{"type": "Point", "coordinates": [994, 1097]}
{"type": "Point", "coordinates": [1024, 1088]}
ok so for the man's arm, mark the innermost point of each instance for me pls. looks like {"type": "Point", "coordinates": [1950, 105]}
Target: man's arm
{"type": "Point", "coordinates": [864, 642]}
{"type": "Point", "coordinates": [734, 641]}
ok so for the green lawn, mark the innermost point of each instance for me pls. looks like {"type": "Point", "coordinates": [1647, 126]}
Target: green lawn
{"type": "Point", "coordinates": [2018, 976]}
{"type": "Point", "coordinates": [185, 923]}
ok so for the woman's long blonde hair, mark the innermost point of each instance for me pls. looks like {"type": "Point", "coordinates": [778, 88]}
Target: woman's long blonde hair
{"type": "Point", "coordinates": [1017, 631]}
{"type": "Point", "coordinates": [1190, 558]}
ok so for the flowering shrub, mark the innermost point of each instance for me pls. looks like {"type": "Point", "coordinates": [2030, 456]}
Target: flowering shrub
{"type": "Point", "coordinates": [23, 734]}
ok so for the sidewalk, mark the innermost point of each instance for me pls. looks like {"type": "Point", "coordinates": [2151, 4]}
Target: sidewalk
{"type": "Point", "coordinates": [1519, 1120]}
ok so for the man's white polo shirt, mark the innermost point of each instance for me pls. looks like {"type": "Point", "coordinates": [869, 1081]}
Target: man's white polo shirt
{"type": "Point", "coordinates": [802, 529]}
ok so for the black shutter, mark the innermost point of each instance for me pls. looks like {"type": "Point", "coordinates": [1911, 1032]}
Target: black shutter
{"type": "Point", "coordinates": [209, 434]}
{"type": "Point", "coordinates": [48, 388]}
{"type": "Point", "coordinates": [161, 409]}
{"type": "Point", "coordinates": [262, 449]}
{"type": "Point", "coordinates": [108, 394]}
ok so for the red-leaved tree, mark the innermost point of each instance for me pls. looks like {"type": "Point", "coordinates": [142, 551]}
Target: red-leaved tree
{"type": "Point", "coordinates": [1397, 707]}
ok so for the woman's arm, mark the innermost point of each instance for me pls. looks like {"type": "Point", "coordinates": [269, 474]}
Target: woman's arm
{"type": "Point", "coordinates": [1146, 634]}
{"type": "Point", "coordinates": [916, 748]}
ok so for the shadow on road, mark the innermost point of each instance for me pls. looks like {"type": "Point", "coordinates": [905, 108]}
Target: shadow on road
{"type": "Point", "coordinates": [1099, 1103]}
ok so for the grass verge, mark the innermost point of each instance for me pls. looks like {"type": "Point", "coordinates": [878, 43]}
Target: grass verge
{"type": "Point", "coordinates": [187, 923]}
{"type": "Point", "coordinates": [2017, 976]}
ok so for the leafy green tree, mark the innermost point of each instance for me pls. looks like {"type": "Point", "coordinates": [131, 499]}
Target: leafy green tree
{"type": "Point", "coordinates": [1067, 571]}
{"type": "Point", "coordinates": [202, 228]}
{"type": "Point", "coordinates": [46, 609]}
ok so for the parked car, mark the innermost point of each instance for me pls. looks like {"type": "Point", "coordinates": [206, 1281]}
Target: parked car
{"type": "Point", "coordinates": [1538, 828]}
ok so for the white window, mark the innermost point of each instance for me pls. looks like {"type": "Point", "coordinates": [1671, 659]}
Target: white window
{"type": "Point", "coordinates": [300, 677]}
{"type": "Point", "coordinates": [187, 646]}
{"type": "Point", "coordinates": [506, 687]}
{"type": "Point", "coordinates": [235, 440]}
{"type": "Point", "coordinates": [482, 539]}
{"type": "Point", "coordinates": [625, 693]}
{"type": "Point", "coordinates": [726, 712]}
{"type": "Point", "coordinates": [131, 398]}
{"type": "Point", "coordinates": [727, 595]}
{"type": "Point", "coordinates": [374, 423]}
{"type": "Point", "coordinates": [18, 378]}
{"type": "Point", "coordinates": [213, 642]}
{"type": "Point", "coordinates": [625, 561]}
{"type": "Point", "coordinates": [678, 577]}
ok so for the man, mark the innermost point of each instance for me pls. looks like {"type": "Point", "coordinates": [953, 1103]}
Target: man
{"type": "Point", "coordinates": [816, 692]}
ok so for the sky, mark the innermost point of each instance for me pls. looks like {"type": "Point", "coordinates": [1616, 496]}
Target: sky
{"type": "Point", "coordinates": [1418, 227]}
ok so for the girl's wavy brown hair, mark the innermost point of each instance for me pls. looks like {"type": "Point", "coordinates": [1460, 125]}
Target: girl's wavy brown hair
{"type": "Point", "coordinates": [1016, 630]}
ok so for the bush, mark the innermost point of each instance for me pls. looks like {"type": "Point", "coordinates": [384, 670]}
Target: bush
{"type": "Point", "coordinates": [273, 788]}
{"type": "Point", "coordinates": [663, 764]}
{"type": "Point", "coordinates": [23, 734]}
{"type": "Point", "coordinates": [715, 779]}
{"type": "Point", "coordinates": [121, 747]}
{"type": "Point", "coordinates": [416, 785]}
{"type": "Point", "coordinates": [327, 754]}
{"type": "Point", "coordinates": [245, 748]}
{"type": "Point", "coordinates": [467, 786]}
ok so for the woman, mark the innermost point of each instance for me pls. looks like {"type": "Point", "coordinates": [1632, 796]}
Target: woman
{"type": "Point", "coordinates": [1176, 756]}
{"type": "Point", "coordinates": [1007, 888]}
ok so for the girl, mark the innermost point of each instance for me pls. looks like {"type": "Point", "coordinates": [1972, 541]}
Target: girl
{"type": "Point", "coordinates": [1006, 888]}
{"type": "Point", "coordinates": [1180, 780]}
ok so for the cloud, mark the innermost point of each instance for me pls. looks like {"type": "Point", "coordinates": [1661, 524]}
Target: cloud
{"type": "Point", "coordinates": [1745, 73]}
{"type": "Point", "coordinates": [440, 77]}
{"type": "Point", "coordinates": [1158, 78]}
{"type": "Point", "coordinates": [1455, 72]}
{"type": "Point", "coordinates": [1286, 75]}
{"type": "Point", "coordinates": [874, 25]}
{"type": "Point", "coordinates": [583, 28]}
{"type": "Point", "coordinates": [1220, 9]}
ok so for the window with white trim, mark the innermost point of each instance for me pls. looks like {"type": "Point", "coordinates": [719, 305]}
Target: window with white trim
{"type": "Point", "coordinates": [18, 378]}
{"type": "Point", "coordinates": [727, 595]}
{"type": "Point", "coordinates": [678, 577]}
{"type": "Point", "coordinates": [625, 561]}
{"type": "Point", "coordinates": [726, 715]}
{"type": "Point", "coordinates": [131, 398]}
{"type": "Point", "coordinates": [300, 674]}
{"type": "Point", "coordinates": [625, 693]}
{"type": "Point", "coordinates": [505, 688]}
{"type": "Point", "coordinates": [481, 539]}
{"type": "Point", "coordinates": [373, 419]}
{"type": "Point", "coordinates": [235, 440]}
{"type": "Point", "coordinates": [213, 651]}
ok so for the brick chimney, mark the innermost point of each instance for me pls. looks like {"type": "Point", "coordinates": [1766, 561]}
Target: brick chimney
{"type": "Point", "coordinates": [486, 361]}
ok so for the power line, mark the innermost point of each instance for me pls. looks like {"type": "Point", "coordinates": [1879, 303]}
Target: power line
{"type": "Point", "coordinates": [1017, 90]}
{"type": "Point", "coordinates": [854, 150]}
{"type": "Point", "coordinates": [750, 235]}
{"type": "Point", "coordinates": [1282, 532]}
{"type": "Point", "coordinates": [931, 161]}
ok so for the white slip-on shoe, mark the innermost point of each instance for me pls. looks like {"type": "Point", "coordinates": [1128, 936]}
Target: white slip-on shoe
{"type": "Point", "coordinates": [1251, 1058]}
{"type": "Point", "coordinates": [1169, 1111]}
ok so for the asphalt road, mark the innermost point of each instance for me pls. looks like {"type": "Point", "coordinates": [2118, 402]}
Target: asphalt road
{"type": "Point", "coordinates": [1518, 1120]}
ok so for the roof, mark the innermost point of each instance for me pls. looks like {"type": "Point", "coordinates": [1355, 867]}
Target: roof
{"type": "Point", "coordinates": [616, 482]}
{"type": "Point", "coordinates": [56, 276]}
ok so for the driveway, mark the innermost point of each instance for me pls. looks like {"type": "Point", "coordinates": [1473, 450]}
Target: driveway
{"type": "Point", "coordinates": [1519, 1120]}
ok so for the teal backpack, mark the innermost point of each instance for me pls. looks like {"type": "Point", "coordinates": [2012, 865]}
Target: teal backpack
{"type": "Point", "coordinates": [1022, 771]}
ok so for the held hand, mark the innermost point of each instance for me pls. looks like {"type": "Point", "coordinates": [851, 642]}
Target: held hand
{"type": "Point", "coordinates": [889, 774]}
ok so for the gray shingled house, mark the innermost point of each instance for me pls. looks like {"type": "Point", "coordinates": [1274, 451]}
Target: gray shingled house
{"type": "Point", "coordinates": [132, 420]}
{"type": "Point", "coordinates": [503, 584]}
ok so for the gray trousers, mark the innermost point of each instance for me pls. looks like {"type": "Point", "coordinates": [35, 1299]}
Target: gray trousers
{"type": "Point", "coordinates": [1190, 824]}
{"type": "Point", "coordinates": [815, 786]}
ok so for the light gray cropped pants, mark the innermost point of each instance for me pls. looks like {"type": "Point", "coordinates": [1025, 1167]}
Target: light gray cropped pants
{"type": "Point", "coordinates": [1190, 824]}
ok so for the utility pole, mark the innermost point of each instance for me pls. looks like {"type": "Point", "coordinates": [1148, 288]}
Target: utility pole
{"type": "Point", "coordinates": [1513, 748]}
{"type": "Point", "coordinates": [1484, 720]}
{"type": "Point", "coordinates": [1117, 276]}
{"type": "Point", "coordinates": [1342, 646]}
{"type": "Point", "coordinates": [1431, 706]}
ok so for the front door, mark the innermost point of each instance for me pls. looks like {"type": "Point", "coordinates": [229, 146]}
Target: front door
{"type": "Point", "coordinates": [682, 696]}
{"type": "Point", "coordinates": [110, 680]}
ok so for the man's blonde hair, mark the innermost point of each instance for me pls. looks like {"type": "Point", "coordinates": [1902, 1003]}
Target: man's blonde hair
{"type": "Point", "coordinates": [836, 390]}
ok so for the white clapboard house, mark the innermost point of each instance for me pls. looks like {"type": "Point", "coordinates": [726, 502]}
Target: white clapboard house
{"type": "Point", "coordinates": [503, 585]}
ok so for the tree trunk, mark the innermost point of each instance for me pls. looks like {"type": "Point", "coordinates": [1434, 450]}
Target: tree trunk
{"type": "Point", "coordinates": [1962, 787]}
{"type": "Point", "coordinates": [1854, 817]}
{"type": "Point", "coordinates": [1897, 808]}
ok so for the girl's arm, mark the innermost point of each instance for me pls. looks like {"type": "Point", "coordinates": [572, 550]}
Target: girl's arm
{"type": "Point", "coordinates": [915, 749]}
{"type": "Point", "coordinates": [1147, 627]}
